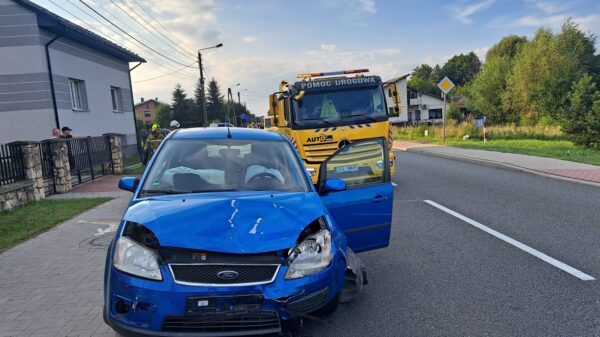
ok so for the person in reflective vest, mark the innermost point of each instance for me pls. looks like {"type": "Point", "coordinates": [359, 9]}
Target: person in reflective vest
{"type": "Point", "coordinates": [152, 142]}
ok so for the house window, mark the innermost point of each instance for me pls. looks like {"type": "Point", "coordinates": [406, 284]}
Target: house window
{"type": "Point", "coordinates": [435, 113]}
{"type": "Point", "coordinates": [147, 114]}
{"type": "Point", "coordinates": [417, 115]}
{"type": "Point", "coordinates": [115, 95]}
{"type": "Point", "coordinates": [147, 106]}
{"type": "Point", "coordinates": [78, 97]}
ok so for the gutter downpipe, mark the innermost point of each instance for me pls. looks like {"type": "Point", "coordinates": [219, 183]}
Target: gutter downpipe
{"type": "Point", "coordinates": [49, 65]}
{"type": "Point", "coordinates": [137, 135]}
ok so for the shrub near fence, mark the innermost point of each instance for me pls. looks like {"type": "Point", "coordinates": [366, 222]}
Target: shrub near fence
{"type": "Point", "coordinates": [12, 168]}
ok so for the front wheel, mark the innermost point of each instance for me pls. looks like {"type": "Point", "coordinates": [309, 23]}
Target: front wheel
{"type": "Point", "coordinates": [328, 308]}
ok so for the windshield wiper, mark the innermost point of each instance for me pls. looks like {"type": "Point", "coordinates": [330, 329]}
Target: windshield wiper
{"type": "Point", "coordinates": [163, 192]}
{"type": "Point", "coordinates": [370, 119]}
{"type": "Point", "coordinates": [319, 119]}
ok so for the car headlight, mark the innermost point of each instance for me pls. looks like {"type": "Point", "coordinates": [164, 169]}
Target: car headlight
{"type": "Point", "coordinates": [132, 258]}
{"type": "Point", "coordinates": [311, 256]}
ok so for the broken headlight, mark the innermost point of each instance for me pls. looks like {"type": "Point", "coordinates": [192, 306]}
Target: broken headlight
{"type": "Point", "coordinates": [132, 258]}
{"type": "Point", "coordinates": [310, 256]}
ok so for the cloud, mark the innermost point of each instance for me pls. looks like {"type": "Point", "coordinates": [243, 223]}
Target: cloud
{"type": "Point", "coordinates": [355, 12]}
{"type": "Point", "coordinates": [549, 7]}
{"type": "Point", "coordinates": [464, 13]}
{"type": "Point", "coordinates": [249, 39]}
{"type": "Point", "coordinates": [328, 47]}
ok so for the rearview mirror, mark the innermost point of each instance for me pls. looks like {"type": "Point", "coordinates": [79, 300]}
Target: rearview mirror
{"type": "Point", "coordinates": [334, 185]}
{"type": "Point", "coordinates": [129, 183]}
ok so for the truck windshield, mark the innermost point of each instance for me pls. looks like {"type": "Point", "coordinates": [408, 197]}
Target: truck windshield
{"type": "Point", "coordinates": [218, 165]}
{"type": "Point", "coordinates": [319, 108]}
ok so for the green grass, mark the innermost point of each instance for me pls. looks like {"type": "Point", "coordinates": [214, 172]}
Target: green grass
{"type": "Point", "coordinates": [139, 170]}
{"type": "Point", "coordinates": [560, 149]}
{"type": "Point", "coordinates": [131, 160]}
{"type": "Point", "coordinates": [27, 221]}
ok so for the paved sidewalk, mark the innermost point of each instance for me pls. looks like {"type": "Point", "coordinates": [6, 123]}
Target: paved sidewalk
{"type": "Point", "coordinates": [52, 284]}
{"type": "Point", "coordinates": [539, 165]}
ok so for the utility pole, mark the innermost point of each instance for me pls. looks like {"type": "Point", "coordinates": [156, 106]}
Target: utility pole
{"type": "Point", "coordinates": [205, 124]}
{"type": "Point", "coordinates": [202, 82]}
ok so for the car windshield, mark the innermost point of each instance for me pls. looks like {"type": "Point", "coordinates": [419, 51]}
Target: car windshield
{"type": "Point", "coordinates": [334, 107]}
{"type": "Point", "coordinates": [215, 165]}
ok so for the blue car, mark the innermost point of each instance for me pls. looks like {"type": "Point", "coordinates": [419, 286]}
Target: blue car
{"type": "Point", "coordinates": [226, 235]}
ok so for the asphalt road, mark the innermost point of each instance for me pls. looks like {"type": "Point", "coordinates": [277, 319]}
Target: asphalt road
{"type": "Point", "coordinates": [441, 276]}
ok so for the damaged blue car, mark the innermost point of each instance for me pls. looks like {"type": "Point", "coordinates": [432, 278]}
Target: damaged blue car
{"type": "Point", "coordinates": [226, 235]}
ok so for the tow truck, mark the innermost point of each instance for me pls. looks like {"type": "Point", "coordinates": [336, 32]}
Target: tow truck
{"type": "Point", "coordinates": [323, 112]}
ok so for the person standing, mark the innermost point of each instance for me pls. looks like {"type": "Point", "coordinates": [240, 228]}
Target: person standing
{"type": "Point", "coordinates": [152, 142]}
{"type": "Point", "coordinates": [174, 125]}
{"type": "Point", "coordinates": [66, 132]}
{"type": "Point", "coordinates": [56, 133]}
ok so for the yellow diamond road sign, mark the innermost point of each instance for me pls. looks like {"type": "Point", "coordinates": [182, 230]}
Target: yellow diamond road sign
{"type": "Point", "coordinates": [445, 85]}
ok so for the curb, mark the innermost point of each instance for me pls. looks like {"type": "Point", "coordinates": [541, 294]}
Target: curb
{"type": "Point", "coordinates": [500, 165]}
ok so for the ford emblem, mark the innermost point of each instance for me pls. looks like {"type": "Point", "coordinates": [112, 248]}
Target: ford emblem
{"type": "Point", "coordinates": [227, 275]}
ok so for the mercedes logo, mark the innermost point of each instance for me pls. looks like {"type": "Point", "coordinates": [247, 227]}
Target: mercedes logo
{"type": "Point", "coordinates": [227, 275]}
{"type": "Point", "coordinates": [342, 143]}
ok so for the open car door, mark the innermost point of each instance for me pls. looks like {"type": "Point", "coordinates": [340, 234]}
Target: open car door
{"type": "Point", "coordinates": [363, 207]}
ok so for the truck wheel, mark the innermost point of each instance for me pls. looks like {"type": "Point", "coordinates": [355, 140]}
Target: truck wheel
{"type": "Point", "coordinates": [328, 308]}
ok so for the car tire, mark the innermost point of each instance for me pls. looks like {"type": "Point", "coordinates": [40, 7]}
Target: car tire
{"type": "Point", "coordinates": [328, 308]}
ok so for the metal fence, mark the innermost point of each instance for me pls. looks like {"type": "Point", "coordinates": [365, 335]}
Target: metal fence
{"type": "Point", "coordinates": [89, 158]}
{"type": "Point", "coordinates": [12, 168]}
{"type": "Point", "coordinates": [48, 168]}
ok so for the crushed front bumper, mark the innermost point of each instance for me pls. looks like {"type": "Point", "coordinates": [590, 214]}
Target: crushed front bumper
{"type": "Point", "coordinates": [137, 307]}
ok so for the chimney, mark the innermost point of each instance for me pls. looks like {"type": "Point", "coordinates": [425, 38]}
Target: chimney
{"type": "Point", "coordinates": [156, 98]}
{"type": "Point", "coordinates": [142, 99]}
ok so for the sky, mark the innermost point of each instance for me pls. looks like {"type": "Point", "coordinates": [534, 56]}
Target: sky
{"type": "Point", "coordinates": [267, 41]}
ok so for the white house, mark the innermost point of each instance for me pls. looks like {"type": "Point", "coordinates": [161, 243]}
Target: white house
{"type": "Point", "coordinates": [54, 73]}
{"type": "Point", "coordinates": [416, 107]}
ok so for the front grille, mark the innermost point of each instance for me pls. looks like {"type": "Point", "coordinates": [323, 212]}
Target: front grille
{"type": "Point", "coordinates": [316, 153]}
{"type": "Point", "coordinates": [208, 274]}
{"type": "Point", "coordinates": [225, 324]}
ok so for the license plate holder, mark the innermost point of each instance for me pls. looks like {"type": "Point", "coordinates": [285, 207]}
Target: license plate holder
{"type": "Point", "coordinates": [225, 303]}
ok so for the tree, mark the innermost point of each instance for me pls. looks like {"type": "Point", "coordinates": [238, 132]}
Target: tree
{"type": "Point", "coordinates": [461, 68]}
{"type": "Point", "coordinates": [540, 79]}
{"type": "Point", "coordinates": [508, 46]}
{"type": "Point", "coordinates": [163, 116]}
{"type": "Point", "coordinates": [582, 120]}
{"type": "Point", "coordinates": [423, 71]}
{"type": "Point", "coordinates": [487, 89]}
{"type": "Point", "coordinates": [215, 102]}
{"type": "Point", "coordinates": [198, 99]}
{"type": "Point", "coordinates": [179, 106]}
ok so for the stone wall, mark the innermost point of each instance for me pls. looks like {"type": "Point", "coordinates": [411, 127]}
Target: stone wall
{"type": "Point", "coordinates": [62, 168]}
{"type": "Point", "coordinates": [115, 152]}
{"type": "Point", "coordinates": [16, 194]}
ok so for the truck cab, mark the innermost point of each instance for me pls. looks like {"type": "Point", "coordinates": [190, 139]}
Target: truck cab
{"type": "Point", "coordinates": [324, 112]}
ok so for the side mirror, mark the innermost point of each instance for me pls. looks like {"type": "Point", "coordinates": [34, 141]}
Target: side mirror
{"type": "Point", "coordinates": [129, 183]}
{"type": "Point", "coordinates": [393, 92]}
{"type": "Point", "coordinates": [334, 185]}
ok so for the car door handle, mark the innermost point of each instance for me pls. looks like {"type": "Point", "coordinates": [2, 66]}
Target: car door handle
{"type": "Point", "coordinates": [379, 198]}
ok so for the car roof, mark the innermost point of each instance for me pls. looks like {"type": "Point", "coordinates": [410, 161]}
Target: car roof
{"type": "Point", "coordinates": [222, 133]}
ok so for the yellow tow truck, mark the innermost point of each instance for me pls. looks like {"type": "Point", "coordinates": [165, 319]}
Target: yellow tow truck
{"type": "Point", "coordinates": [323, 112]}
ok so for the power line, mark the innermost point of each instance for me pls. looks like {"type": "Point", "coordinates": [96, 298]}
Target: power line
{"type": "Point", "coordinates": [172, 73]}
{"type": "Point", "coordinates": [131, 36]}
{"type": "Point", "coordinates": [163, 27]}
{"type": "Point", "coordinates": [104, 25]}
{"type": "Point", "coordinates": [168, 41]}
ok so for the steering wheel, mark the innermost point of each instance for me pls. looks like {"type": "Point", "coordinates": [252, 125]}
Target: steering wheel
{"type": "Point", "coordinates": [264, 175]}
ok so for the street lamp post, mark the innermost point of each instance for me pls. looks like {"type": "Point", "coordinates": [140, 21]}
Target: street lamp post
{"type": "Point", "coordinates": [202, 81]}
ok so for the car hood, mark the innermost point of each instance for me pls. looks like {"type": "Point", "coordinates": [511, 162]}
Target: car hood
{"type": "Point", "coordinates": [240, 222]}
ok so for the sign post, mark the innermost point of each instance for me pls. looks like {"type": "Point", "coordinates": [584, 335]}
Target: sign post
{"type": "Point", "coordinates": [445, 86]}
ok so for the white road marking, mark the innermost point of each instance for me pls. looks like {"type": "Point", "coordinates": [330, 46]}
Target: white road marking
{"type": "Point", "coordinates": [560, 265]}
